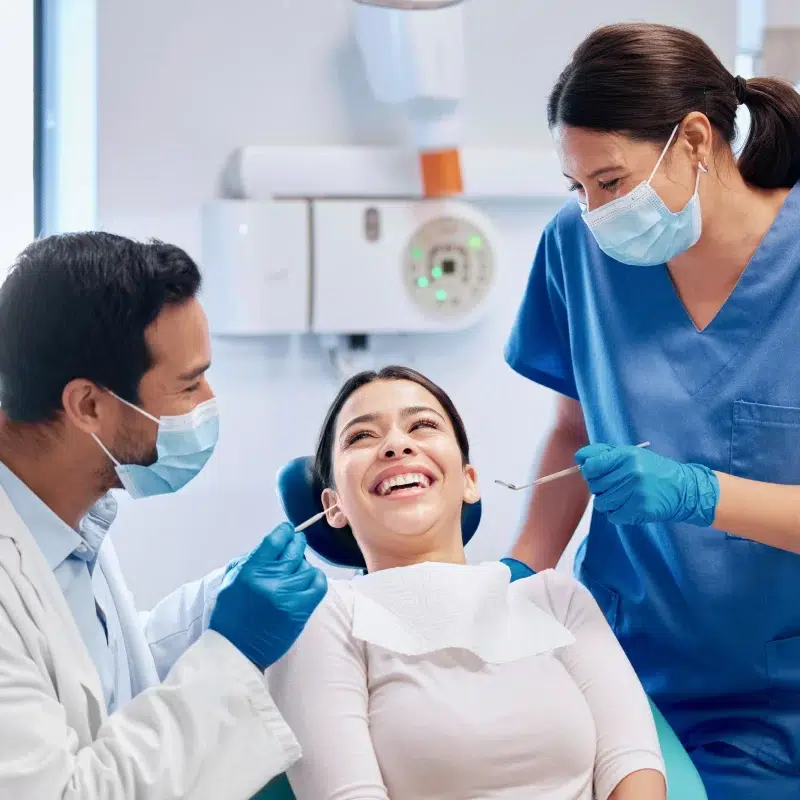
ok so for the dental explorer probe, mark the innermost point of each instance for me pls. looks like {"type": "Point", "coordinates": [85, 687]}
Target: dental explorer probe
{"type": "Point", "coordinates": [316, 518]}
{"type": "Point", "coordinates": [547, 478]}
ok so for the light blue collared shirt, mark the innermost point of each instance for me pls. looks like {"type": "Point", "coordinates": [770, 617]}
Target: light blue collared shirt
{"type": "Point", "coordinates": [72, 556]}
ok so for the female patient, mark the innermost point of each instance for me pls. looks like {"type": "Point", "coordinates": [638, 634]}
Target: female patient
{"type": "Point", "coordinates": [431, 679]}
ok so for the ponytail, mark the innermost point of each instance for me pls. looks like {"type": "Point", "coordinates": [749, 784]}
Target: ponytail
{"type": "Point", "coordinates": [771, 155]}
{"type": "Point", "coordinates": [644, 78]}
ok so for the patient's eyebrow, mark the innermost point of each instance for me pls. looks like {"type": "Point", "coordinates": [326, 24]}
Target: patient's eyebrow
{"type": "Point", "coordinates": [412, 411]}
{"type": "Point", "coordinates": [409, 411]}
{"type": "Point", "coordinates": [361, 418]}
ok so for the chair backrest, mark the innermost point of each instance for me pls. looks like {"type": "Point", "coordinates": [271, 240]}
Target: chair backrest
{"type": "Point", "coordinates": [337, 546]}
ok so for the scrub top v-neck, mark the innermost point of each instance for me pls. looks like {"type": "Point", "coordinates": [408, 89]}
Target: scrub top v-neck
{"type": "Point", "coordinates": [710, 621]}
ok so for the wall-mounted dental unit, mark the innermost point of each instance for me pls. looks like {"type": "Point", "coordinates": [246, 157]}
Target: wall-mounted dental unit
{"type": "Point", "coordinates": [346, 240]}
{"type": "Point", "coordinates": [413, 51]}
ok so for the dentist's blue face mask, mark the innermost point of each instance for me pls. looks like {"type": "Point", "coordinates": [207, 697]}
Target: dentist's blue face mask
{"type": "Point", "coordinates": [184, 444]}
{"type": "Point", "coordinates": [639, 230]}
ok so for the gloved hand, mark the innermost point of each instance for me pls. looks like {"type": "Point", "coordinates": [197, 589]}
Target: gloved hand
{"type": "Point", "coordinates": [633, 486]}
{"type": "Point", "coordinates": [267, 596]}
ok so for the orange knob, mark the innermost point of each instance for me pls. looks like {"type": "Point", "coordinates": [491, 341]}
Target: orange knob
{"type": "Point", "coordinates": [441, 173]}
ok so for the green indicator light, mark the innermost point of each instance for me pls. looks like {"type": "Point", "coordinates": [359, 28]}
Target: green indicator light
{"type": "Point", "coordinates": [416, 253]}
{"type": "Point", "coordinates": [441, 295]}
{"type": "Point", "coordinates": [422, 281]}
{"type": "Point", "coordinates": [436, 272]}
{"type": "Point", "coordinates": [475, 242]}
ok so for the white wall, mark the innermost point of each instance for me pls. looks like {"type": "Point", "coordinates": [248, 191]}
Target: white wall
{"type": "Point", "coordinates": [181, 83]}
{"type": "Point", "coordinates": [751, 24]}
{"type": "Point", "coordinates": [782, 13]}
{"type": "Point", "coordinates": [16, 129]}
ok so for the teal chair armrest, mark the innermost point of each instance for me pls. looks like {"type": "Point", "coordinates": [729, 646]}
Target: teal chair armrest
{"type": "Point", "coordinates": [683, 779]}
{"type": "Point", "coordinates": [276, 789]}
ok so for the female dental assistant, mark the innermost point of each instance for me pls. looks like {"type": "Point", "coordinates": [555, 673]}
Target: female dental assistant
{"type": "Point", "coordinates": [665, 306]}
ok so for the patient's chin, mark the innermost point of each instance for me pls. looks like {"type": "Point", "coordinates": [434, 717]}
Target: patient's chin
{"type": "Point", "coordinates": [409, 520]}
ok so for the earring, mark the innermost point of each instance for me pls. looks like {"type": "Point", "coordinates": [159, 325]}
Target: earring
{"type": "Point", "coordinates": [704, 166]}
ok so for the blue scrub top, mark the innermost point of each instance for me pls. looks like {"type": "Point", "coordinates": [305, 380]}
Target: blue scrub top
{"type": "Point", "coordinates": [711, 622]}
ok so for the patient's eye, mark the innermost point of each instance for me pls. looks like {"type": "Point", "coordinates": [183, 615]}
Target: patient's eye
{"type": "Point", "coordinates": [426, 423]}
{"type": "Point", "coordinates": [357, 436]}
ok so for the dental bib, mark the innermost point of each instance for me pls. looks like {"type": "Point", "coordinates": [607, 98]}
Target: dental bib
{"type": "Point", "coordinates": [421, 609]}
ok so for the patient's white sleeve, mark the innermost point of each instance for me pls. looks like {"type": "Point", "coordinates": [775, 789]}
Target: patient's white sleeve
{"type": "Point", "coordinates": [626, 734]}
{"type": "Point", "coordinates": [320, 686]}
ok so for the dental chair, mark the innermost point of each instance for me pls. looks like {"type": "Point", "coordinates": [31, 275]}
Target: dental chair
{"type": "Point", "coordinates": [338, 548]}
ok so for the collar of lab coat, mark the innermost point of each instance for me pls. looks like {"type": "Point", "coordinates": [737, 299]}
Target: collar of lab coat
{"type": "Point", "coordinates": [54, 537]}
{"type": "Point", "coordinates": [45, 602]}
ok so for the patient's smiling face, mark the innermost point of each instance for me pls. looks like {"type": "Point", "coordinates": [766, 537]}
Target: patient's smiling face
{"type": "Point", "coordinates": [399, 474]}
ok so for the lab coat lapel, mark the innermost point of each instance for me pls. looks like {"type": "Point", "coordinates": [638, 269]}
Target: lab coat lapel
{"type": "Point", "coordinates": [47, 606]}
{"type": "Point", "coordinates": [140, 659]}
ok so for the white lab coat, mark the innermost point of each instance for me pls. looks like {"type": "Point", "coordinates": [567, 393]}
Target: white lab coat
{"type": "Point", "coordinates": [210, 731]}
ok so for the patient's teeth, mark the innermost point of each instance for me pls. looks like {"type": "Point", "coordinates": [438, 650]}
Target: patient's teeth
{"type": "Point", "coordinates": [405, 479]}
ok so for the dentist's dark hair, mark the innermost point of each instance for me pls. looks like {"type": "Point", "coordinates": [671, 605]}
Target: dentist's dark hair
{"type": "Point", "coordinates": [322, 476]}
{"type": "Point", "coordinates": [77, 305]}
{"type": "Point", "coordinates": [640, 80]}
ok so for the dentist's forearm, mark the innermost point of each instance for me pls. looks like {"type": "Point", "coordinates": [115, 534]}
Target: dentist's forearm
{"type": "Point", "coordinates": [768, 513]}
{"type": "Point", "coordinates": [554, 512]}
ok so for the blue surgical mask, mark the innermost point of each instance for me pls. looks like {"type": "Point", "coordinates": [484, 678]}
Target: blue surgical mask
{"type": "Point", "coordinates": [184, 444]}
{"type": "Point", "coordinates": [639, 230]}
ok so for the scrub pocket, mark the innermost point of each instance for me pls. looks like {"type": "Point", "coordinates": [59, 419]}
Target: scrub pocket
{"type": "Point", "coordinates": [783, 668]}
{"type": "Point", "coordinates": [783, 662]}
{"type": "Point", "coordinates": [765, 446]}
{"type": "Point", "coordinates": [765, 443]}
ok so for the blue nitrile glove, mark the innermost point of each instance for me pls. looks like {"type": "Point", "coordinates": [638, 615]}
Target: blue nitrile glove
{"type": "Point", "coordinates": [633, 486]}
{"type": "Point", "coordinates": [267, 596]}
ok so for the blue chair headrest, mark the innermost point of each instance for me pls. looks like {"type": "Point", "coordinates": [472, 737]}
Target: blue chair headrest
{"type": "Point", "coordinates": [336, 545]}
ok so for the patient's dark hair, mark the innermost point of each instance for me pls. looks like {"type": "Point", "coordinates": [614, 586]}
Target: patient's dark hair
{"type": "Point", "coordinates": [323, 457]}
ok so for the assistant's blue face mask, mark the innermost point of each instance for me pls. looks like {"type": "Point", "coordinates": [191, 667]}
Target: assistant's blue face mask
{"type": "Point", "coordinates": [184, 444]}
{"type": "Point", "coordinates": [639, 230]}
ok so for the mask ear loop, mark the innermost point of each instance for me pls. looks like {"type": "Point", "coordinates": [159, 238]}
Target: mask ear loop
{"type": "Point", "coordinates": [702, 169]}
{"type": "Point", "coordinates": [106, 450]}
{"type": "Point", "coordinates": [663, 153]}
{"type": "Point", "coordinates": [135, 408]}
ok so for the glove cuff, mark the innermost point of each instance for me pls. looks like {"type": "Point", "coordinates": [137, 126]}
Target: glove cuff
{"type": "Point", "coordinates": [702, 496]}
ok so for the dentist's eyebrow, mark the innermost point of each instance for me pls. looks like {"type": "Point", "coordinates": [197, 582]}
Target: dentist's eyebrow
{"type": "Point", "coordinates": [195, 373]}
{"type": "Point", "coordinates": [597, 173]}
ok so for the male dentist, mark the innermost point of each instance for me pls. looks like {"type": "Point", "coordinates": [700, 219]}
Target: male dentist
{"type": "Point", "coordinates": [103, 354]}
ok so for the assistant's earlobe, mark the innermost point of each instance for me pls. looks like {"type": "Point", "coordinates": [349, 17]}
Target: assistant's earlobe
{"type": "Point", "coordinates": [700, 136]}
{"type": "Point", "coordinates": [333, 514]}
{"type": "Point", "coordinates": [471, 491]}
